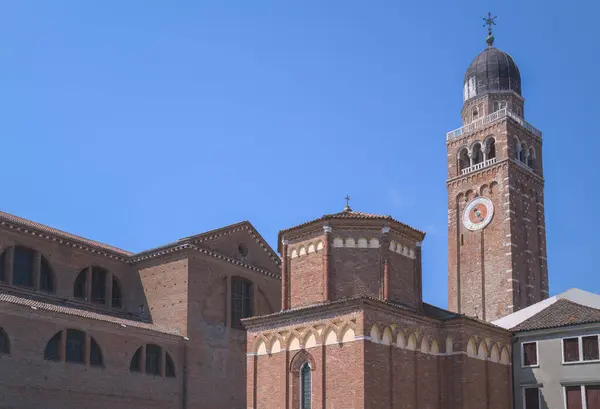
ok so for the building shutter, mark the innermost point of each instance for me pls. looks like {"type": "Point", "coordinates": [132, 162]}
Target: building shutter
{"type": "Point", "coordinates": [573, 397]}
{"type": "Point", "coordinates": [532, 398]}
{"type": "Point", "coordinates": [592, 396]}
{"type": "Point", "coordinates": [590, 348]}
{"type": "Point", "coordinates": [571, 349]}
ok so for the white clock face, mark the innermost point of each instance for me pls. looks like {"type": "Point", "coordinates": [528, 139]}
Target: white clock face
{"type": "Point", "coordinates": [478, 213]}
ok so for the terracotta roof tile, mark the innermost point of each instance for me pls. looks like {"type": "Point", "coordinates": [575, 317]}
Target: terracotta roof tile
{"type": "Point", "coordinates": [560, 314]}
{"type": "Point", "coordinates": [6, 218]}
{"type": "Point", "coordinates": [35, 304]}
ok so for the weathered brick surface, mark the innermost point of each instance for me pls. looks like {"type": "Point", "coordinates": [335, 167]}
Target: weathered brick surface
{"type": "Point", "coordinates": [501, 268]}
{"type": "Point", "coordinates": [182, 290]}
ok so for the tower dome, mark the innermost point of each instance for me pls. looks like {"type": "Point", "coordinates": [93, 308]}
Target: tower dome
{"type": "Point", "coordinates": [492, 70]}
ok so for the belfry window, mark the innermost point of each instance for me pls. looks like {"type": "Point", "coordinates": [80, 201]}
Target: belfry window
{"type": "Point", "coordinates": [530, 158]}
{"type": "Point", "coordinates": [305, 387]}
{"type": "Point", "coordinates": [104, 287]}
{"type": "Point", "coordinates": [25, 267]}
{"type": "Point", "coordinates": [241, 301]}
{"type": "Point", "coordinates": [475, 113]}
{"type": "Point", "coordinates": [498, 105]}
{"type": "Point", "coordinates": [523, 154]}
{"type": "Point", "coordinates": [463, 159]}
{"type": "Point", "coordinates": [490, 147]}
{"type": "Point", "coordinates": [477, 154]}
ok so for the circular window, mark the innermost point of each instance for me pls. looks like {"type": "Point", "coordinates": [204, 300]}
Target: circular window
{"type": "Point", "coordinates": [242, 249]}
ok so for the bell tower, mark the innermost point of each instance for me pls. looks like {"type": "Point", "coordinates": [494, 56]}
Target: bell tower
{"type": "Point", "coordinates": [496, 230]}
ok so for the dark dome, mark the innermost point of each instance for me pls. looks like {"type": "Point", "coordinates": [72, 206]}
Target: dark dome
{"type": "Point", "coordinates": [492, 70]}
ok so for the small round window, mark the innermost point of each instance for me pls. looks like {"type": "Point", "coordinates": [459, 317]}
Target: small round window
{"type": "Point", "coordinates": [243, 250]}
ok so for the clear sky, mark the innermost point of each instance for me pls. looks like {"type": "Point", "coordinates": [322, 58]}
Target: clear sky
{"type": "Point", "coordinates": [139, 122]}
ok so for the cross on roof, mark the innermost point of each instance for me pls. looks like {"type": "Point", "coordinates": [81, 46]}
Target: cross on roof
{"type": "Point", "coordinates": [489, 22]}
{"type": "Point", "coordinates": [347, 208]}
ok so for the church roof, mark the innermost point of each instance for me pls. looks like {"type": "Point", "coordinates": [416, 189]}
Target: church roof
{"type": "Point", "coordinates": [562, 313]}
{"type": "Point", "coordinates": [492, 70]}
{"type": "Point", "coordinates": [51, 305]}
{"type": "Point", "coordinates": [349, 214]}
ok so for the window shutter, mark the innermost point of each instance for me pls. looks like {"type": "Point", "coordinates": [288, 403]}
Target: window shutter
{"type": "Point", "coordinates": [590, 348]}
{"type": "Point", "coordinates": [571, 349]}
{"type": "Point", "coordinates": [532, 398]}
{"type": "Point", "coordinates": [574, 397]}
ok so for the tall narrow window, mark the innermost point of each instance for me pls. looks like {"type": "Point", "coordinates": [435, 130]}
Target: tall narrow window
{"type": "Point", "coordinates": [116, 294]}
{"type": "Point", "coordinates": [491, 148]}
{"type": "Point", "coordinates": [571, 349]}
{"type": "Point", "coordinates": [463, 159]}
{"type": "Point", "coordinates": [23, 266]}
{"type": "Point", "coordinates": [4, 342]}
{"type": "Point", "coordinates": [241, 301]}
{"type": "Point", "coordinates": [530, 157]}
{"type": "Point", "coordinates": [530, 357]}
{"type": "Point", "coordinates": [46, 276]}
{"type": "Point", "coordinates": [477, 154]}
{"type": "Point", "coordinates": [75, 346]}
{"type": "Point", "coordinates": [574, 400]}
{"type": "Point", "coordinates": [153, 359]}
{"type": "Point", "coordinates": [305, 387]}
{"type": "Point", "coordinates": [98, 285]}
{"type": "Point", "coordinates": [475, 113]}
{"type": "Point", "coordinates": [532, 398]}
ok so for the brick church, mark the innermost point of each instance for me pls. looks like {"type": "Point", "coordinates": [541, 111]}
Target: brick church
{"type": "Point", "coordinates": [220, 321]}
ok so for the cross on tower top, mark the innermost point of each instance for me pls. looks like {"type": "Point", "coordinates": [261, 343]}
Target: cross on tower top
{"type": "Point", "coordinates": [489, 22]}
{"type": "Point", "coordinates": [347, 208]}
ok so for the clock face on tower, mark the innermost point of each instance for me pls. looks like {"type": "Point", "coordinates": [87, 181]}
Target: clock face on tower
{"type": "Point", "coordinates": [478, 213]}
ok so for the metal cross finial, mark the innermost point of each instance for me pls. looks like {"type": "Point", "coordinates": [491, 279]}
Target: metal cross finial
{"type": "Point", "coordinates": [347, 208]}
{"type": "Point", "coordinates": [489, 22]}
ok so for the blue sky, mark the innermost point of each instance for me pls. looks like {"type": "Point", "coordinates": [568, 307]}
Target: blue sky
{"type": "Point", "coordinates": [139, 122]}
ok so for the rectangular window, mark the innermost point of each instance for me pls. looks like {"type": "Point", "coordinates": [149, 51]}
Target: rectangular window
{"type": "Point", "coordinates": [532, 398]}
{"type": "Point", "coordinates": [592, 396]}
{"type": "Point", "coordinates": [75, 346]}
{"type": "Point", "coordinates": [571, 349]}
{"type": "Point", "coordinates": [23, 267]}
{"type": "Point", "coordinates": [153, 353]}
{"type": "Point", "coordinates": [573, 395]}
{"type": "Point", "coordinates": [241, 301]}
{"type": "Point", "coordinates": [530, 354]}
{"type": "Point", "coordinates": [590, 348]}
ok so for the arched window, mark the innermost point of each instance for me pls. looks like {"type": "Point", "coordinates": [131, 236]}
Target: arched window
{"type": "Point", "coordinates": [25, 267]}
{"type": "Point", "coordinates": [523, 154]}
{"type": "Point", "coordinates": [498, 105]}
{"type": "Point", "coordinates": [4, 342]}
{"type": "Point", "coordinates": [154, 360]}
{"type": "Point", "coordinates": [242, 300]}
{"type": "Point", "coordinates": [305, 387]}
{"type": "Point", "coordinates": [475, 113]}
{"type": "Point", "coordinates": [477, 154]}
{"type": "Point", "coordinates": [104, 288]}
{"type": "Point", "coordinates": [463, 159]}
{"type": "Point", "coordinates": [490, 146]}
{"type": "Point", "coordinates": [71, 345]}
{"type": "Point", "coordinates": [531, 157]}
{"type": "Point", "coordinates": [517, 149]}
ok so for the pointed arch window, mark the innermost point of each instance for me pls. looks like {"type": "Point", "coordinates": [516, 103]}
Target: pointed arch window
{"type": "Point", "coordinates": [306, 386]}
{"type": "Point", "coordinates": [491, 148]}
{"type": "Point", "coordinates": [25, 267]}
{"type": "Point", "coordinates": [463, 159]}
{"type": "Point", "coordinates": [477, 154]}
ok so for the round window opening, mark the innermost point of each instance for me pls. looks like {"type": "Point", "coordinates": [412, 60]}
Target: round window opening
{"type": "Point", "coordinates": [243, 250]}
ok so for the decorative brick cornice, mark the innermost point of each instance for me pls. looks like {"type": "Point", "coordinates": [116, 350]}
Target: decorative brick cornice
{"type": "Point", "coordinates": [503, 164]}
{"type": "Point", "coordinates": [29, 227]}
{"type": "Point", "coordinates": [188, 246]}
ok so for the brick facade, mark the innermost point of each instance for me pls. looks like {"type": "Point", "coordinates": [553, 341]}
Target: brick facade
{"type": "Point", "coordinates": [177, 297]}
{"type": "Point", "coordinates": [501, 268]}
{"type": "Point", "coordinates": [356, 320]}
